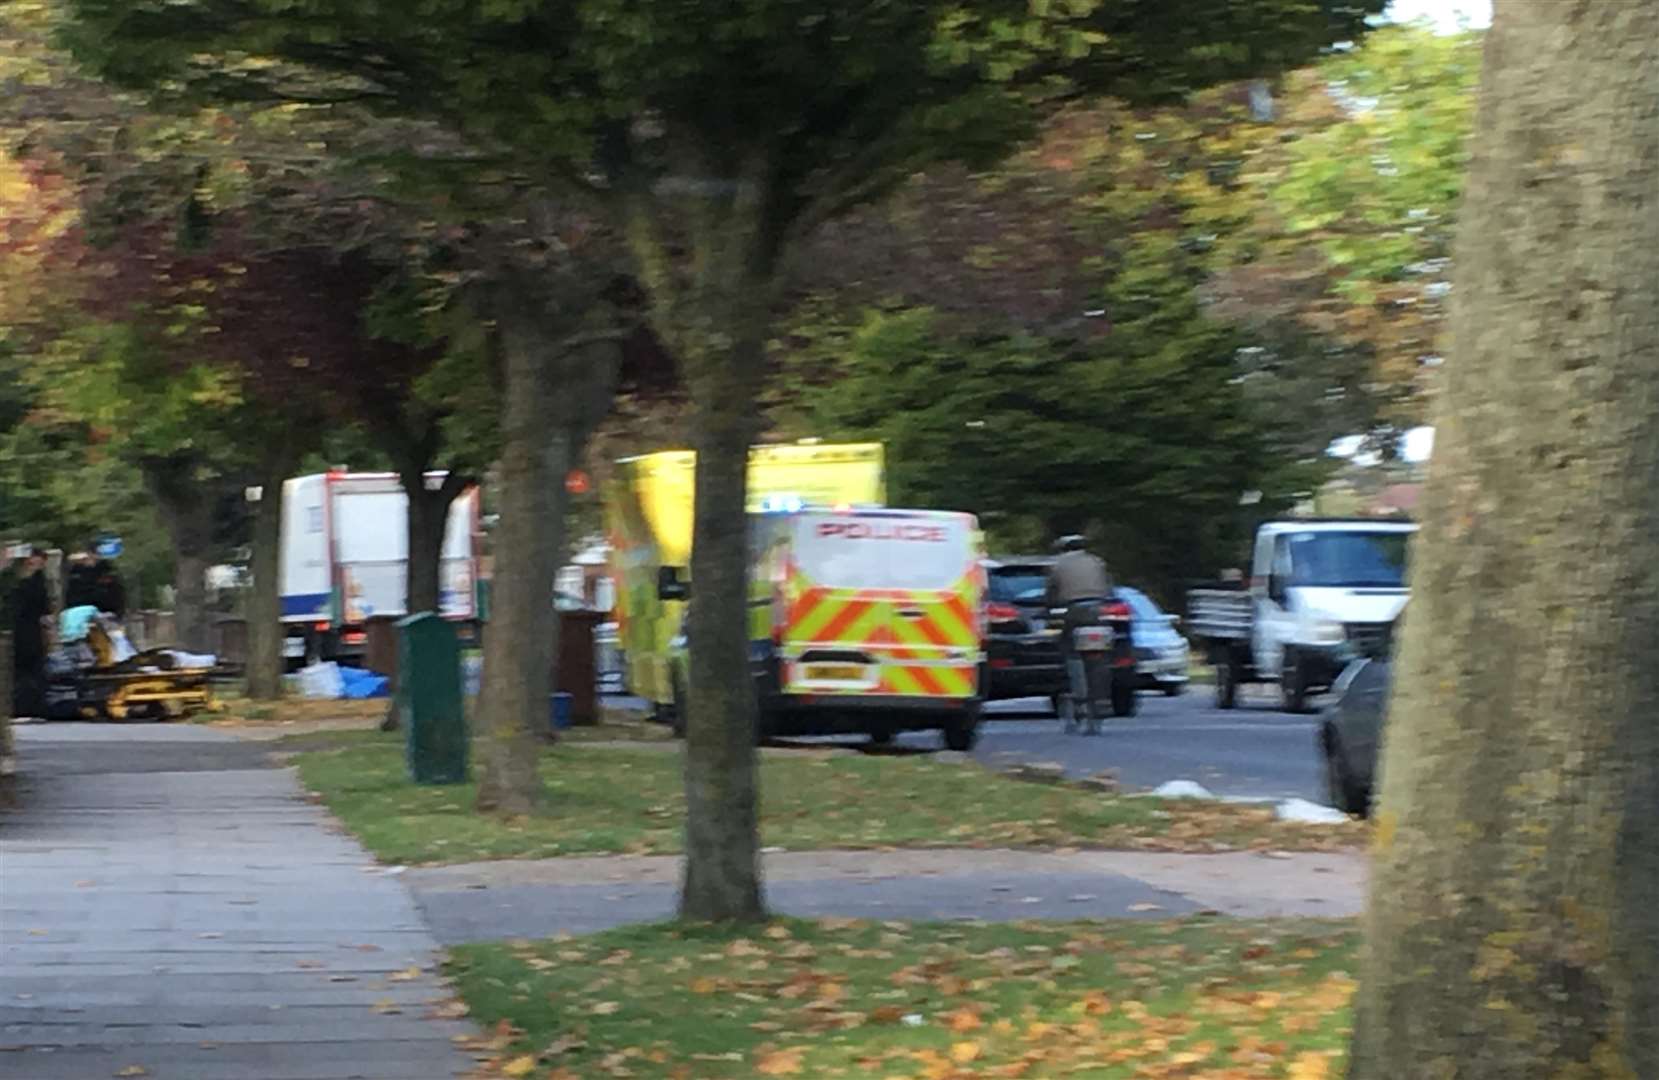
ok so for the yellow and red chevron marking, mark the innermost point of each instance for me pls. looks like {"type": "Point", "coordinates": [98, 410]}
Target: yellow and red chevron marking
{"type": "Point", "coordinates": [957, 680]}
{"type": "Point", "coordinates": [916, 637]}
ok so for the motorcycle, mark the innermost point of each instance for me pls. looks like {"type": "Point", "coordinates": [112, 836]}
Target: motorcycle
{"type": "Point", "coordinates": [1088, 697]}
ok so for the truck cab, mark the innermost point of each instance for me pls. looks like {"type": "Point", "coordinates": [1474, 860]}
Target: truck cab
{"type": "Point", "coordinates": [1320, 594]}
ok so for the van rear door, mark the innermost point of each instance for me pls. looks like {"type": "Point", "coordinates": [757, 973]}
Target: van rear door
{"type": "Point", "coordinates": [883, 603]}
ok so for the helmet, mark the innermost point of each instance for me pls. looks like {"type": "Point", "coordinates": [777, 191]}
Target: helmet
{"type": "Point", "coordinates": [1072, 542]}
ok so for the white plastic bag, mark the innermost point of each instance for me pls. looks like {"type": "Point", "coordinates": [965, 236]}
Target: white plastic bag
{"type": "Point", "coordinates": [321, 681]}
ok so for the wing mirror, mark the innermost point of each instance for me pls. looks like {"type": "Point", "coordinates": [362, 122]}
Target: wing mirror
{"type": "Point", "coordinates": [671, 585]}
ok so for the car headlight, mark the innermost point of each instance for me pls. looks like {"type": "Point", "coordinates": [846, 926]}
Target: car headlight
{"type": "Point", "coordinates": [1329, 632]}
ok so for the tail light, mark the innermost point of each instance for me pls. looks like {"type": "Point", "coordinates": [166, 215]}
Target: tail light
{"type": "Point", "coordinates": [322, 627]}
{"type": "Point", "coordinates": [1117, 609]}
{"type": "Point", "coordinates": [1002, 613]}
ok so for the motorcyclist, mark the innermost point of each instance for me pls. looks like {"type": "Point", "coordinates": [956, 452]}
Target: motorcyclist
{"type": "Point", "coordinates": [1078, 582]}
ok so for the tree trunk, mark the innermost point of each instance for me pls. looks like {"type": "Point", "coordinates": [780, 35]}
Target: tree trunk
{"type": "Point", "coordinates": [8, 751]}
{"type": "Point", "coordinates": [186, 507]}
{"type": "Point", "coordinates": [721, 328]}
{"type": "Point", "coordinates": [428, 514]}
{"type": "Point", "coordinates": [192, 624]}
{"type": "Point", "coordinates": [265, 632]}
{"type": "Point", "coordinates": [1512, 927]}
{"type": "Point", "coordinates": [555, 395]}
{"type": "Point", "coordinates": [722, 871]}
{"type": "Point", "coordinates": [428, 521]}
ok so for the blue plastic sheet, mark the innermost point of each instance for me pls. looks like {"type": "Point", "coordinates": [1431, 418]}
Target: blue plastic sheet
{"type": "Point", "coordinates": [357, 683]}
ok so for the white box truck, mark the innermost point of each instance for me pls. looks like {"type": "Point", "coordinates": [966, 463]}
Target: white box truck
{"type": "Point", "coordinates": [345, 559]}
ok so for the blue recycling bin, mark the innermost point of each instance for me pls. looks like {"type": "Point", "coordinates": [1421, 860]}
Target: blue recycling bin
{"type": "Point", "coordinates": [558, 713]}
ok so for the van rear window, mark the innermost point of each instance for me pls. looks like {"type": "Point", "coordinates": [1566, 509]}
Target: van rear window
{"type": "Point", "coordinates": [878, 552]}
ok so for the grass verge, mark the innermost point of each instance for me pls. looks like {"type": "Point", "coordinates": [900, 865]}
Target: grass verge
{"type": "Point", "coordinates": [1218, 999]}
{"type": "Point", "coordinates": [620, 800]}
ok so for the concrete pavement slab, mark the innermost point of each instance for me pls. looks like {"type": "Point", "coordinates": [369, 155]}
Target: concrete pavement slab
{"type": "Point", "coordinates": [169, 903]}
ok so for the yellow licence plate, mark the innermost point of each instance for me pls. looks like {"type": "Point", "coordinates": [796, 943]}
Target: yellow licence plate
{"type": "Point", "coordinates": [835, 672]}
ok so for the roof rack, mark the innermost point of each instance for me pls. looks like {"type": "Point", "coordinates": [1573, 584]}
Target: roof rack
{"type": "Point", "coordinates": [1390, 519]}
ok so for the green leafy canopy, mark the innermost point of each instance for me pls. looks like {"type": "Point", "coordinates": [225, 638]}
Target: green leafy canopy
{"type": "Point", "coordinates": [835, 101]}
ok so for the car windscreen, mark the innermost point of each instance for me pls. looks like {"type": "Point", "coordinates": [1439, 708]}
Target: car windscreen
{"type": "Point", "coordinates": [1018, 584]}
{"type": "Point", "coordinates": [1354, 560]}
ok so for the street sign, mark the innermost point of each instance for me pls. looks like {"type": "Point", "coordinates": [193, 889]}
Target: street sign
{"type": "Point", "coordinates": [109, 547]}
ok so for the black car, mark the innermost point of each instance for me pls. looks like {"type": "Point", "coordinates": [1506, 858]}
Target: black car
{"type": "Point", "coordinates": [1351, 734]}
{"type": "Point", "coordinates": [1022, 643]}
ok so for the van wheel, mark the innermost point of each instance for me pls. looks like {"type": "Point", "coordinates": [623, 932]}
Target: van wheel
{"type": "Point", "coordinates": [881, 738]}
{"type": "Point", "coordinates": [963, 731]}
{"type": "Point", "coordinates": [677, 718]}
{"type": "Point", "coordinates": [1226, 683]}
{"type": "Point", "coordinates": [1293, 685]}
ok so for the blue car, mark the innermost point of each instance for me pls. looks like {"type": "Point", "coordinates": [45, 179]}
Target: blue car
{"type": "Point", "coordinates": [1161, 653]}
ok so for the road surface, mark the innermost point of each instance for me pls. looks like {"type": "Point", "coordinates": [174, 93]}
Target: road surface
{"type": "Point", "coordinates": [1254, 751]}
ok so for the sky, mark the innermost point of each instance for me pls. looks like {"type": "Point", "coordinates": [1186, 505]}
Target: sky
{"type": "Point", "coordinates": [1445, 13]}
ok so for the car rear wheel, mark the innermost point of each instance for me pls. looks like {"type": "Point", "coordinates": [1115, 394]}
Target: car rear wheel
{"type": "Point", "coordinates": [1346, 794]}
{"type": "Point", "coordinates": [1174, 689]}
{"type": "Point", "coordinates": [1125, 700]}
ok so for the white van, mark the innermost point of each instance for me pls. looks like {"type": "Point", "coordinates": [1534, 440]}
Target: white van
{"type": "Point", "coordinates": [345, 559]}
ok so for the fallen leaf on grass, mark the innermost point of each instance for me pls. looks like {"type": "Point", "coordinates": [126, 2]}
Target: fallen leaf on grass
{"type": "Point", "coordinates": [779, 1063]}
{"type": "Point", "coordinates": [964, 1052]}
{"type": "Point", "coordinates": [1310, 1066]}
{"type": "Point", "coordinates": [564, 1045]}
{"type": "Point", "coordinates": [606, 1008]}
{"type": "Point", "coordinates": [519, 1066]}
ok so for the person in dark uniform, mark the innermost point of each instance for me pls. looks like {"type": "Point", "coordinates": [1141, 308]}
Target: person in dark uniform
{"type": "Point", "coordinates": [80, 582]}
{"type": "Point", "coordinates": [93, 581]}
{"type": "Point", "coordinates": [31, 605]}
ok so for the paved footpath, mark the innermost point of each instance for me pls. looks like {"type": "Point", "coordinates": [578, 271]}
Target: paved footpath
{"type": "Point", "coordinates": [539, 898]}
{"type": "Point", "coordinates": [171, 907]}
